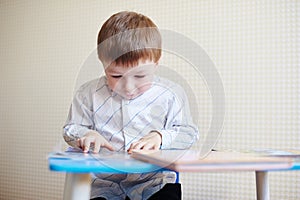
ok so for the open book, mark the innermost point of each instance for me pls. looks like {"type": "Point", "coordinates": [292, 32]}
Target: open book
{"type": "Point", "coordinates": [188, 160]}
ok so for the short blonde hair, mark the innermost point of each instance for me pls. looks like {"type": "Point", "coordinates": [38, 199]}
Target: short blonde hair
{"type": "Point", "coordinates": [127, 38]}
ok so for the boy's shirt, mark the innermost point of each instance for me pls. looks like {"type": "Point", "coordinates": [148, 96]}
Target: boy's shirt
{"type": "Point", "coordinates": [163, 108]}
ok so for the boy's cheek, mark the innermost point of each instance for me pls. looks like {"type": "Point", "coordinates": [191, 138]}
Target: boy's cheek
{"type": "Point", "coordinates": [138, 89]}
{"type": "Point", "coordinates": [145, 87]}
{"type": "Point", "coordinates": [111, 84]}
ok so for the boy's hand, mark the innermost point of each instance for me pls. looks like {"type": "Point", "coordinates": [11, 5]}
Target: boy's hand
{"type": "Point", "coordinates": [152, 141]}
{"type": "Point", "coordinates": [93, 138]}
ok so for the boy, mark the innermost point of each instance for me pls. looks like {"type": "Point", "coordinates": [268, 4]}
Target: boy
{"type": "Point", "coordinates": [130, 108]}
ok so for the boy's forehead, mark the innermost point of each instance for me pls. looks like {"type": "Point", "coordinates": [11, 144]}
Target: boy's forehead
{"type": "Point", "coordinates": [139, 67]}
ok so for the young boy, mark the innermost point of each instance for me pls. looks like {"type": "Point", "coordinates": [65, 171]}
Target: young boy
{"type": "Point", "coordinates": [130, 108]}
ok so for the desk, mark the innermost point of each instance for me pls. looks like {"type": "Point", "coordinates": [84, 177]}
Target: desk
{"type": "Point", "coordinates": [79, 166]}
{"type": "Point", "coordinates": [222, 161]}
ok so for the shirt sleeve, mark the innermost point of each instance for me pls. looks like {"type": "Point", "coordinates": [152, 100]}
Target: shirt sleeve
{"type": "Point", "coordinates": [80, 117]}
{"type": "Point", "coordinates": [179, 131]}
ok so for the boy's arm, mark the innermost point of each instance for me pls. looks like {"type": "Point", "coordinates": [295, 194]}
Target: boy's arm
{"type": "Point", "coordinates": [79, 130]}
{"type": "Point", "coordinates": [79, 121]}
{"type": "Point", "coordinates": [179, 132]}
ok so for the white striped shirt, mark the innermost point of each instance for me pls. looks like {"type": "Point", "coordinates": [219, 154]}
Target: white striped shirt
{"type": "Point", "coordinates": [163, 108]}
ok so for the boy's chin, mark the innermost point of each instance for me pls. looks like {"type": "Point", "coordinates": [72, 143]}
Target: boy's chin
{"type": "Point", "coordinates": [130, 97]}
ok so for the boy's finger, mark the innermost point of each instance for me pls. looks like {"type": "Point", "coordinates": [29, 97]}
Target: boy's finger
{"type": "Point", "coordinates": [139, 145]}
{"type": "Point", "coordinates": [97, 146]}
{"type": "Point", "coordinates": [148, 146]}
{"type": "Point", "coordinates": [129, 150]}
{"type": "Point", "coordinates": [78, 143]}
{"type": "Point", "coordinates": [108, 146]}
{"type": "Point", "coordinates": [133, 144]}
{"type": "Point", "coordinates": [105, 144]}
{"type": "Point", "coordinates": [86, 145]}
{"type": "Point", "coordinates": [156, 147]}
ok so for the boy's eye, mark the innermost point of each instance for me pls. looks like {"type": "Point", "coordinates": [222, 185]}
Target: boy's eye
{"type": "Point", "coordinates": [139, 76]}
{"type": "Point", "coordinates": [116, 76]}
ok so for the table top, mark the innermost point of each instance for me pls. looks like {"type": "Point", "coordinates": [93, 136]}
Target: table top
{"type": "Point", "coordinates": [216, 161]}
{"type": "Point", "coordinates": [122, 162]}
{"type": "Point", "coordinates": [107, 162]}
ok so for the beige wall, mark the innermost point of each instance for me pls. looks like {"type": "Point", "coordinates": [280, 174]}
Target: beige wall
{"type": "Point", "coordinates": [255, 47]}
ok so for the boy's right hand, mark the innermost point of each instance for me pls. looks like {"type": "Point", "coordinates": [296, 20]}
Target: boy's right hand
{"type": "Point", "coordinates": [95, 139]}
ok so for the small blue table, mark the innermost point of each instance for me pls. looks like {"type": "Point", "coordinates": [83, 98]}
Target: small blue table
{"type": "Point", "coordinates": [78, 167]}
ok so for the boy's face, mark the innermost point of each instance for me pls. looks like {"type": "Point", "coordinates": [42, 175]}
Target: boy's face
{"type": "Point", "coordinates": [130, 82]}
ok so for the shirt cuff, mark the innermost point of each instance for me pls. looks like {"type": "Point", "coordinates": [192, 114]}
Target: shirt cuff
{"type": "Point", "coordinates": [166, 139]}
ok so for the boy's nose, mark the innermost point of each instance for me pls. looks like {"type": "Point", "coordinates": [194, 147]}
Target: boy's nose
{"type": "Point", "coordinates": [129, 87]}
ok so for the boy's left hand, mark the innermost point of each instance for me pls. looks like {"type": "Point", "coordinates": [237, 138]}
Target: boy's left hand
{"type": "Point", "coordinates": [152, 141]}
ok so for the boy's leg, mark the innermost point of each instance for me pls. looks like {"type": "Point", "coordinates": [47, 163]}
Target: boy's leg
{"type": "Point", "coordinates": [101, 198]}
{"type": "Point", "coordinates": [171, 191]}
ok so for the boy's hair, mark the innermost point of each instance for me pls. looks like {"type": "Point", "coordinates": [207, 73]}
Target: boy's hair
{"type": "Point", "coordinates": [128, 37]}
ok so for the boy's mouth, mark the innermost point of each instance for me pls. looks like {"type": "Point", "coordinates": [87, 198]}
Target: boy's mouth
{"type": "Point", "coordinates": [130, 96]}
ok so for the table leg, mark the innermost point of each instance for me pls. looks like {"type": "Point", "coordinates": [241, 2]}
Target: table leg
{"type": "Point", "coordinates": [262, 185]}
{"type": "Point", "coordinates": [77, 186]}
